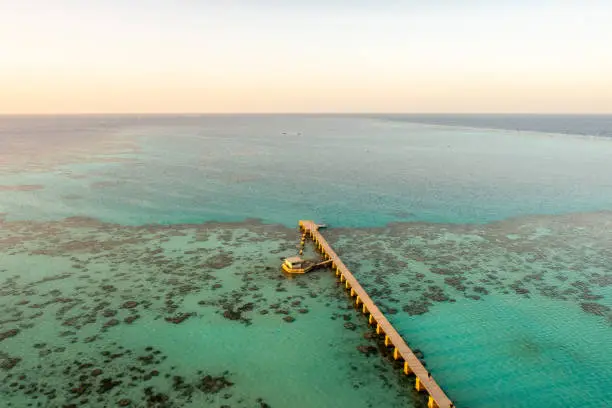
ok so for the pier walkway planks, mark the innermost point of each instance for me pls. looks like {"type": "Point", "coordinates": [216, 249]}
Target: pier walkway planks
{"type": "Point", "coordinates": [412, 365]}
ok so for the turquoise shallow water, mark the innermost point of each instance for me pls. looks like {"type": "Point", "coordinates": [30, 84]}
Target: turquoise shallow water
{"type": "Point", "coordinates": [343, 171]}
{"type": "Point", "coordinates": [496, 266]}
{"type": "Point", "coordinates": [85, 297]}
{"type": "Point", "coordinates": [520, 308]}
{"type": "Point", "coordinates": [510, 353]}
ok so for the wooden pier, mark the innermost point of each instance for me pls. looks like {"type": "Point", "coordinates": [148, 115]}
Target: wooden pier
{"type": "Point", "coordinates": [401, 351]}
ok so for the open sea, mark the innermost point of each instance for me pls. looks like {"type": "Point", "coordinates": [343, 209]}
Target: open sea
{"type": "Point", "coordinates": [140, 259]}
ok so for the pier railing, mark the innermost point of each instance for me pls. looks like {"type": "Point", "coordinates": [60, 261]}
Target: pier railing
{"type": "Point", "coordinates": [401, 351]}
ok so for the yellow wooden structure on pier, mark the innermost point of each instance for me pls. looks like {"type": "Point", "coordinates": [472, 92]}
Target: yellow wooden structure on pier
{"type": "Point", "coordinates": [401, 351]}
{"type": "Point", "coordinates": [294, 264]}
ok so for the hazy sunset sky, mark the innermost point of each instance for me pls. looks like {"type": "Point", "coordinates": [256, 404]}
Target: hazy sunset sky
{"type": "Point", "coordinates": [83, 56]}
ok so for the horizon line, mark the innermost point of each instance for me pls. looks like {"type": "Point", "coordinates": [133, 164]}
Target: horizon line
{"type": "Point", "coordinates": [296, 113]}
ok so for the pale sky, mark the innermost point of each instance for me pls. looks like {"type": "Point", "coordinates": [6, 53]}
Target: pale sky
{"type": "Point", "coordinates": [128, 56]}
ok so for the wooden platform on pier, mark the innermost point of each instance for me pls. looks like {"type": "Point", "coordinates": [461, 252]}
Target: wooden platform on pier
{"type": "Point", "coordinates": [424, 381]}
